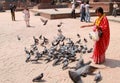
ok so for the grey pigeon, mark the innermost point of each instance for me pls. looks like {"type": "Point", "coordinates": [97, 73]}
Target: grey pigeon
{"type": "Point", "coordinates": [98, 77]}
{"type": "Point", "coordinates": [48, 59]}
{"type": "Point", "coordinates": [28, 58]}
{"type": "Point", "coordinates": [56, 61]}
{"type": "Point", "coordinates": [80, 63]}
{"type": "Point", "coordinates": [38, 78]}
{"type": "Point", "coordinates": [26, 51]}
{"type": "Point", "coordinates": [85, 70]}
{"type": "Point", "coordinates": [65, 63]}
{"type": "Point", "coordinates": [59, 30]}
{"type": "Point", "coordinates": [38, 55]}
{"type": "Point", "coordinates": [75, 77]}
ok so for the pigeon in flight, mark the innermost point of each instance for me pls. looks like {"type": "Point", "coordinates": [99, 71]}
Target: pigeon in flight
{"type": "Point", "coordinates": [44, 21]}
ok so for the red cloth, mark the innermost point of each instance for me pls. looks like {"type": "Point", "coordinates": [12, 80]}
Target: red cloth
{"type": "Point", "coordinates": [101, 46]}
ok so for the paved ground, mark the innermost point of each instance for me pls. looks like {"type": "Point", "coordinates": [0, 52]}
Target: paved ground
{"type": "Point", "coordinates": [114, 19]}
{"type": "Point", "coordinates": [13, 68]}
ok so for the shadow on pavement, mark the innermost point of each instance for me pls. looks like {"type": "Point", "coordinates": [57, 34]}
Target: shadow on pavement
{"type": "Point", "coordinates": [112, 63]}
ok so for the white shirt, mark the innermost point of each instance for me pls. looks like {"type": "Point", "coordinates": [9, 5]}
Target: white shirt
{"type": "Point", "coordinates": [87, 7]}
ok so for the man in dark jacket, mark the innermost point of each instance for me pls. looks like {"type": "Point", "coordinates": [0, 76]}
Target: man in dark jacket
{"type": "Point", "coordinates": [13, 8]}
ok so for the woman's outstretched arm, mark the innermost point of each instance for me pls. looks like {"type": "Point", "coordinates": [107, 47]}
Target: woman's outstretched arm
{"type": "Point", "coordinates": [90, 25]}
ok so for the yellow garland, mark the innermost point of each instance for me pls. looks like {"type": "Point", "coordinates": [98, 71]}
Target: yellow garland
{"type": "Point", "coordinates": [98, 20]}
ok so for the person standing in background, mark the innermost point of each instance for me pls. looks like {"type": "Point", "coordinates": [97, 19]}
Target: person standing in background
{"type": "Point", "coordinates": [87, 13]}
{"type": "Point", "coordinates": [73, 9]}
{"type": "Point", "coordinates": [12, 9]}
{"type": "Point", "coordinates": [115, 6]}
{"type": "Point", "coordinates": [26, 16]}
{"type": "Point", "coordinates": [82, 11]}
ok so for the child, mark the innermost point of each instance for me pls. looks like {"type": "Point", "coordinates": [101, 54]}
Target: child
{"type": "Point", "coordinates": [26, 16]}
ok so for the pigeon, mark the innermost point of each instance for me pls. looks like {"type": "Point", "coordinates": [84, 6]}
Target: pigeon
{"type": "Point", "coordinates": [18, 37]}
{"type": "Point", "coordinates": [38, 55]}
{"type": "Point", "coordinates": [87, 69]}
{"type": "Point", "coordinates": [98, 77]}
{"type": "Point", "coordinates": [78, 35]}
{"type": "Point", "coordinates": [31, 52]}
{"type": "Point", "coordinates": [78, 42]}
{"type": "Point", "coordinates": [44, 21]}
{"type": "Point", "coordinates": [40, 37]}
{"type": "Point", "coordinates": [38, 78]}
{"type": "Point", "coordinates": [65, 63]}
{"type": "Point", "coordinates": [80, 63]}
{"type": "Point", "coordinates": [59, 30]}
{"type": "Point", "coordinates": [55, 43]}
{"type": "Point", "coordinates": [48, 59]}
{"type": "Point", "coordinates": [36, 41]}
{"type": "Point", "coordinates": [75, 77]}
{"type": "Point", "coordinates": [85, 47]}
{"type": "Point", "coordinates": [83, 51]}
{"type": "Point", "coordinates": [90, 50]}
{"type": "Point", "coordinates": [55, 61]}
{"type": "Point", "coordinates": [28, 58]}
{"type": "Point", "coordinates": [85, 40]}
{"type": "Point", "coordinates": [26, 51]}
{"type": "Point", "coordinates": [59, 25]}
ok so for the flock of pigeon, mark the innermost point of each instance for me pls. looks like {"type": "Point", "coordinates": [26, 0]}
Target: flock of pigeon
{"type": "Point", "coordinates": [62, 51]}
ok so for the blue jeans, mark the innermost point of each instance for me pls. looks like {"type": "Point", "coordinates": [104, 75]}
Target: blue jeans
{"type": "Point", "coordinates": [87, 17]}
{"type": "Point", "coordinates": [82, 14]}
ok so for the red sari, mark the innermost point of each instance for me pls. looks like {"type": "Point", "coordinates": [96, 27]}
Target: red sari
{"type": "Point", "coordinates": [101, 45]}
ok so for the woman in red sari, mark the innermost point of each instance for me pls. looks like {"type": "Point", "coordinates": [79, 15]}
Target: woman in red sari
{"type": "Point", "coordinates": [101, 45]}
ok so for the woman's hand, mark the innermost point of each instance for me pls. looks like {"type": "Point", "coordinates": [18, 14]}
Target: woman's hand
{"type": "Point", "coordinates": [83, 26]}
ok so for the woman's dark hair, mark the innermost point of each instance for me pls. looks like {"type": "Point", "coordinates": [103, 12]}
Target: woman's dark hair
{"type": "Point", "coordinates": [87, 2]}
{"type": "Point", "coordinates": [100, 10]}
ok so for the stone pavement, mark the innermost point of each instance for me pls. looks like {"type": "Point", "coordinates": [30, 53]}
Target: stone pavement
{"type": "Point", "coordinates": [13, 68]}
{"type": "Point", "coordinates": [114, 19]}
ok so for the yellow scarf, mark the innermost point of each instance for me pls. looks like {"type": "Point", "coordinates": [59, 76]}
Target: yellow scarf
{"type": "Point", "coordinates": [98, 20]}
